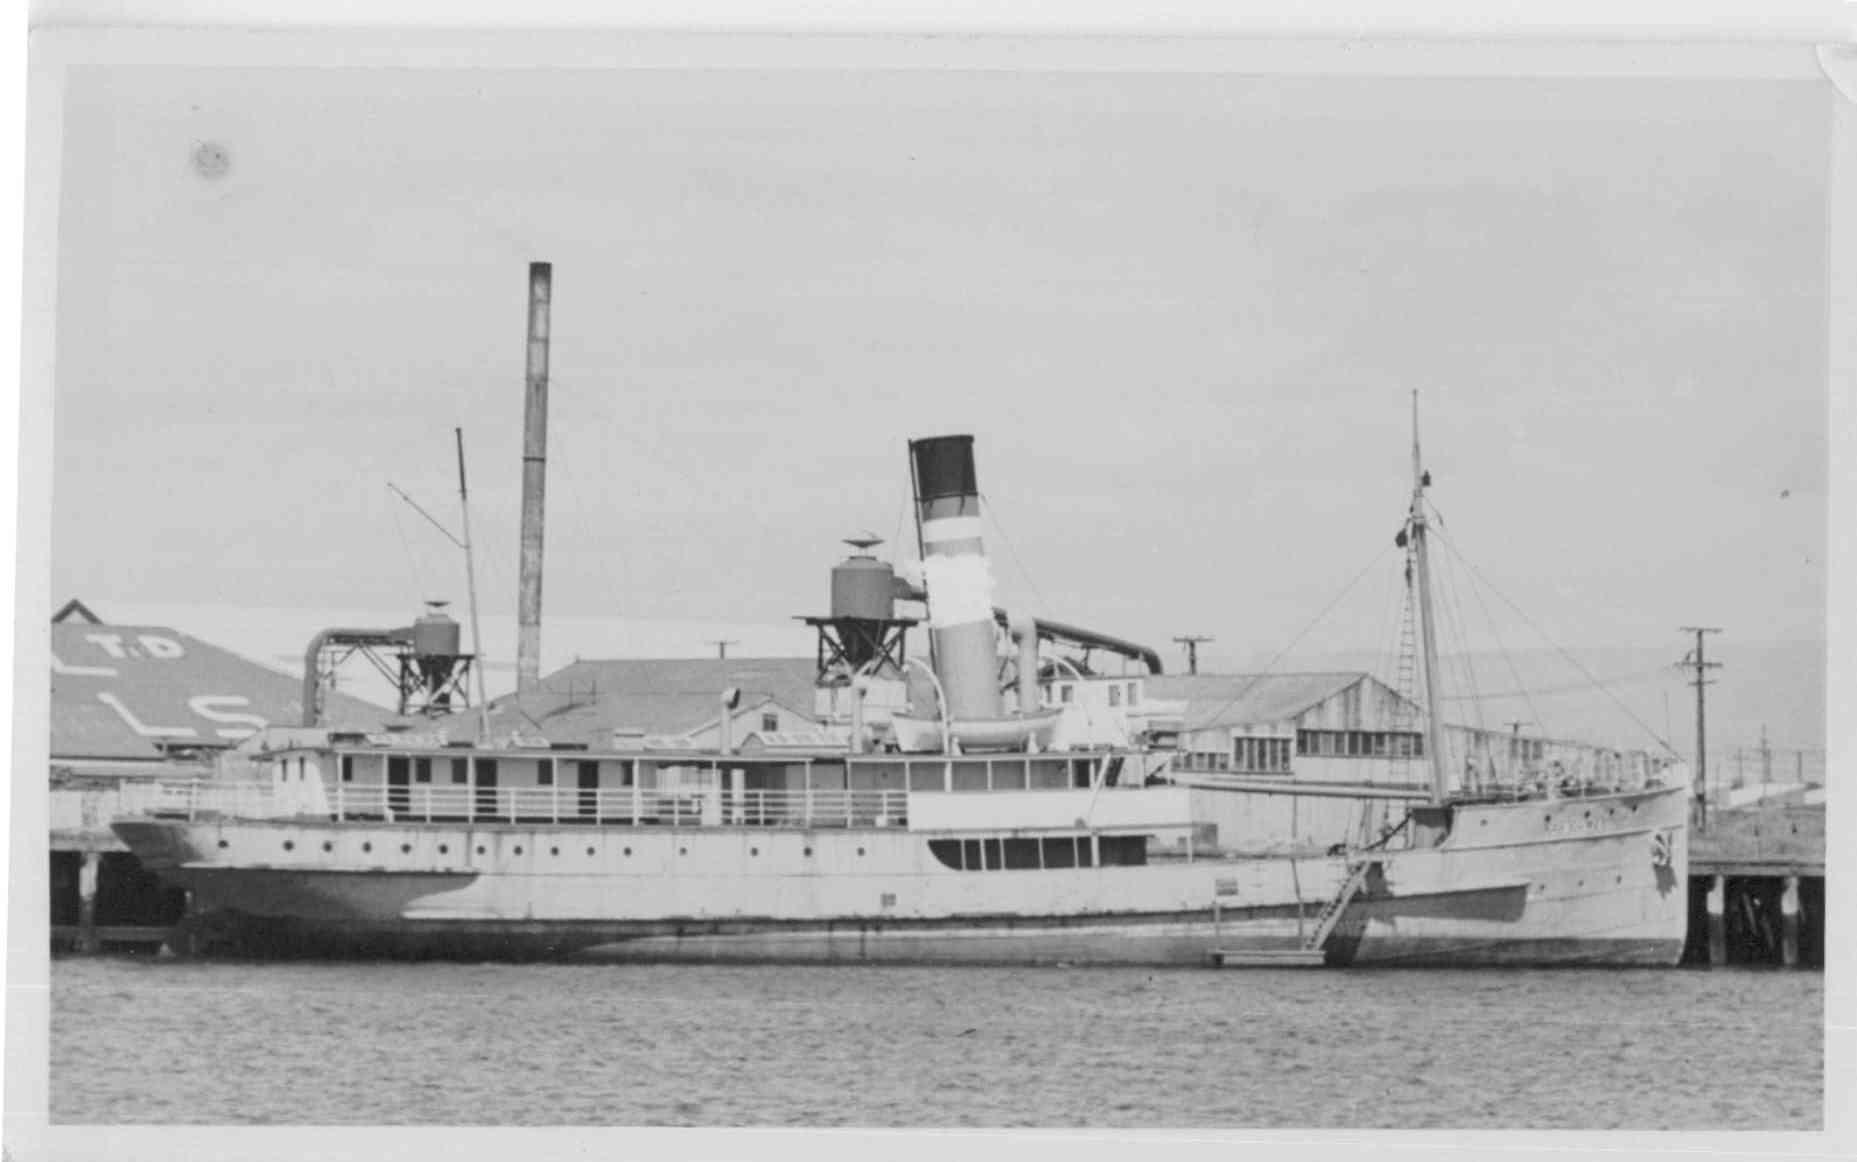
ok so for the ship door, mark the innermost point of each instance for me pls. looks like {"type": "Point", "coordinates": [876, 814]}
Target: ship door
{"type": "Point", "coordinates": [588, 779]}
{"type": "Point", "coordinates": [399, 784]}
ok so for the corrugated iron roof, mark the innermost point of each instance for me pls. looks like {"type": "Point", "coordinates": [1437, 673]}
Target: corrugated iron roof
{"type": "Point", "coordinates": [790, 680]}
{"type": "Point", "coordinates": [134, 691]}
{"type": "Point", "coordinates": [590, 721]}
{"type": "Point", "coordinates": [1215, 700]}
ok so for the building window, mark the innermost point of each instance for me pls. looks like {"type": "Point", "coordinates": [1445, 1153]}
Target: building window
{"type": "Point", "coordinates": [770, 720]}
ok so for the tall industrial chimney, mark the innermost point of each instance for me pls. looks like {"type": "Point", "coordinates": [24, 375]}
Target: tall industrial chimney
{"type": "Point", "coordinates": [957, 575]}
{"type": "Point", "coordinates": [534, 480]}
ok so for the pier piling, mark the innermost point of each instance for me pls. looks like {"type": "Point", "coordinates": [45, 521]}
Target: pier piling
{"type": "Point", "coordinates": [1789, 922]}
{"type": "Point", "coordinates": [1718, 920]}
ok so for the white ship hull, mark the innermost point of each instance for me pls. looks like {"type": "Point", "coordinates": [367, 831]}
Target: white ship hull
{"type": "Point", "coordinates": [1598, 880]}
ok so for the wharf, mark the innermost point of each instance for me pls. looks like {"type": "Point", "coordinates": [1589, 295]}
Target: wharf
{"type": "Point", "coordinates": [1757, 886]}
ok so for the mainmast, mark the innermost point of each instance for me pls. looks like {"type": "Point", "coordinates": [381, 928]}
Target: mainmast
{"type": "Point", "coordinates": [1434, 728]}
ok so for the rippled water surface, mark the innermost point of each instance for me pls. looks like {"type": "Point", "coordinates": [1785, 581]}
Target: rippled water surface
{"type": "Point", "coordinates": [164, 1041]}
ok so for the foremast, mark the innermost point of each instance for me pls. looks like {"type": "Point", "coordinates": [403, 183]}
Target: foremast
{"type": "Point", "coordinates": [1428, 636]}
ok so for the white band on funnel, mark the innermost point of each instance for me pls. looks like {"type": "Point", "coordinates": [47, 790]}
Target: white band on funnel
{"type": "Point", "coordinates": [960, 590]}
{"type": "Point", "coordinates": [951, 528]}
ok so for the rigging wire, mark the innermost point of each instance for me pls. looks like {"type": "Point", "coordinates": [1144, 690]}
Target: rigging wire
{"type": "Point", "coordinates": [1571, 660]}
{"type": "Point", "coordinates": [992, 512]}
{"type": "Point", "coordinates": [412, 573]}
{"type": "Point", "coordinates": [1455, 614]}
{"type": "Point", "coordinates": [1313, 622]}
{"type": "Point", "coordinates": [1544, 691]}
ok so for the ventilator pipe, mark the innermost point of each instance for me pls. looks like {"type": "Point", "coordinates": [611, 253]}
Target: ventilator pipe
{"type": "Point", "coordinates": [312, 690]}
{"type": "Point", "coordinates": [1024, 631]}
{"type": "Point", "coordinates": [860, 686]}
{"type": "Point", "coordinates": [731, 698]}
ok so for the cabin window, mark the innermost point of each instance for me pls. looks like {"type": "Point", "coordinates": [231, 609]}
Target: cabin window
{"type": "Point", "coordinates": [1124, 850]}
{"type": "Point", "coordinates": [460, 771]}
{"type": "Point", "coordinates": [770, 720]}
{"type": "Point", "coordinates": [1134, 693]}
{"type": "Point", "coordinates": [1060, 853]}
{"type": "Point", "coordinates": [1021, 854]}
{"type": "Point", "coordinates": [545, 773]}
{"type": "Point", "coordinates": [1115, 695]}
{"type": "Point", "coordinates": [1066, 693]}
{"type": "Point", "coordinates": [422, 770]}
{"type": "Point", "coordinates": [348, 767]}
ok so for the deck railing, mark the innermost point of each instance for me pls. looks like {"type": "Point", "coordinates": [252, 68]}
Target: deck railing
{"type": "Point", "coordinates": [677, 807]}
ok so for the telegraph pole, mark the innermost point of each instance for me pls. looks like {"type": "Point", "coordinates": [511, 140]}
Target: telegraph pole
{"type": "Point", "coordinates": [1702, 666]}
{"type": "Point", "coordinates": [722, 646]}
{"type": "Point", "coordinates": [1191, 642]}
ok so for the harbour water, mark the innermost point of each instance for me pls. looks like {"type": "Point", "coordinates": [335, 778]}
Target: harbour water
{"type": "Point", "coordinates": [148, 1041]}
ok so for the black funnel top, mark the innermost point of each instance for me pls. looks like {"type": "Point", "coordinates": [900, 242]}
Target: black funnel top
{"type": "Point", "coordinates": [944, 467]}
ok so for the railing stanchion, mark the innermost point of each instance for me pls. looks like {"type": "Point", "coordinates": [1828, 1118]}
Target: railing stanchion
{"type": "Point", "coordinates": [340, 803]}
{"type": "Point", "coordinates": [638, 799]}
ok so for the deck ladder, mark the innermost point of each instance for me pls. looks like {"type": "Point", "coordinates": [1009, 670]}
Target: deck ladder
{"type": "Point", "coordinates": [1311, 953]}
{"type": "Point", "coordinates": [1333, 910]}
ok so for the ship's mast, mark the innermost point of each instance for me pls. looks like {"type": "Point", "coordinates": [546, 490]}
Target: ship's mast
{"type": "Point", "coordinates": [1434, 728]}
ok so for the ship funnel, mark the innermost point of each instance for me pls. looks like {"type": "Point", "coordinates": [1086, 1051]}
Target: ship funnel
{"type": "Point", "coordinates": [534, 479]}
{"type": "Point", "coordinates": [957, 575]}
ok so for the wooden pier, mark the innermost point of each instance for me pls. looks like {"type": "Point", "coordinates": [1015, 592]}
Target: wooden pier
{"type": "Point", "coordinates": [1757, 887]}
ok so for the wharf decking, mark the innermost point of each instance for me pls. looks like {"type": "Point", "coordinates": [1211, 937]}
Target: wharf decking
{"type": "Point", "coordinates": [1757, 886]}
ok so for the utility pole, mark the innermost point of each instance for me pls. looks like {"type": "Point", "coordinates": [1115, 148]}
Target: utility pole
{"type": "Point", "coordinates": [1191, 642]}
{"type": "Point", "coordinates": [722, 646]}
{"type": "Point", "coordinates": [1702, 666]}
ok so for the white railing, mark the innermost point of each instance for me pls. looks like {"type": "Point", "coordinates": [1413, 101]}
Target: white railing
{"type": "Point", "coordinates": [679, 807]}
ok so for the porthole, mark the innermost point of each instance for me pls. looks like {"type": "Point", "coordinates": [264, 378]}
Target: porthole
{"type": "Point", "coordinates": [224, 844]}
{"type": "Point", "coordinates": [289, 846]}
{"type": "Point", "coordinates": [683, 851]}
{"type": "Point", "coordinates": [554, 851]}
{"type": "Point", "coordinates": [444, 848]}
{"type": "Point", "coordinates": [628, 851]}
{"type": "Point", "coordinates": [808, 851]}
{"type": "Point", "coordinates": [754, 851]}
{"type": "Point", "coordinates": [518, 849]}
{"type": "Point", "coordinates": [860, 851]}
{"type": "Point", "coordinates": [367, 847]}
{"type": "Point", "coordinates": [327, 846]}
{"type": "Point", "coordinates": [589, 851]}
{"type": "Point", "coordinates": [406, 849]}
{"type": "Point", "coordinates": [480, 849]}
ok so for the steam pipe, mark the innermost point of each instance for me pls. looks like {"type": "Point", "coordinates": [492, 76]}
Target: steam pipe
{"type": "Point", "coordinates": [1024, 630]}
{"type": "Point", "coordinates": [312, 687]}
{"type": "Point", "coordinates": [1058, 631]}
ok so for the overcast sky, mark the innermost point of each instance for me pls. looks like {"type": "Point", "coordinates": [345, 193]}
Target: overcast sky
{"type": "Point", "coordinates": [1182, 314]}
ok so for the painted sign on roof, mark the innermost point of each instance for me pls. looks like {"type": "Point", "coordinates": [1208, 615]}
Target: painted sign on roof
{"type": "Point", "coordinates": [136, 692]}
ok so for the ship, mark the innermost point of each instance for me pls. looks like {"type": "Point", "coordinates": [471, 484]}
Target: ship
{"type": "Point", "coordinates": [997, 802]}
